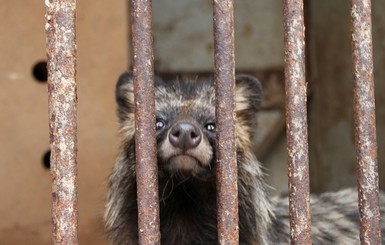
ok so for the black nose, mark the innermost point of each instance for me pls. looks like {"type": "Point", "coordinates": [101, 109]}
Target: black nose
{"type": "Point", "coordinates": [185, 136]}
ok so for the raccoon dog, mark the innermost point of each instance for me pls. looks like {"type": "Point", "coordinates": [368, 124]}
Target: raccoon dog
{"type": "Point", "coordinates": [185, 132]}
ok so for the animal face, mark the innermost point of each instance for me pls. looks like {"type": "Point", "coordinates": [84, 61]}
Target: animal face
{"type": "Point", "coordinates": [185, 121]}
{"type": "Point", "coordinates": [186, 146]}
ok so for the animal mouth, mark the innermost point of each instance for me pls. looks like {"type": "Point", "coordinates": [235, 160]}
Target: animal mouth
{"type": "Point", "coordinates": [184, 163]}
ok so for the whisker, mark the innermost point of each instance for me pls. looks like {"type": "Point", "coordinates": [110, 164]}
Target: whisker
{"type": "Point", "coordinates": [163, 199]}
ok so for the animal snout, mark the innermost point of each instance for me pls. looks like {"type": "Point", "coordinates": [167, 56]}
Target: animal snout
{"type": "Point", "coordinates": [185, 136]}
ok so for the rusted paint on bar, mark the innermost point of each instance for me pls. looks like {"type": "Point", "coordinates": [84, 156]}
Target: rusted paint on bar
{"type": "Point", "coordinates": [62, 101]}
{"type": "Point", "coordinates": [227, 174]}
{"type": "Point", "coordinates": [145, 142]}
{"type": "Point", "coordinates": [296, 122]}
{"type": "Point", "coordinates": [365, 122]}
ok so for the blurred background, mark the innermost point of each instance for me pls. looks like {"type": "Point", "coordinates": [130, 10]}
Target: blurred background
{"type": "Point", "coordinates": [183, 45]}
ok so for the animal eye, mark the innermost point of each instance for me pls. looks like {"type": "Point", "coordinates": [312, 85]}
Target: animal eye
{"type": "Point", "coordinates": [160, 124]}
{"type": "Point", "coordinates": [210, 126]}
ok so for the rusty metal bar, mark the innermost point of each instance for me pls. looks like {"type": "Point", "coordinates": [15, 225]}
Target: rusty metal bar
{"type": "Point", "coordinates": [227, 174]}
{"type": "Point", "coordinates": [296, 122]}
{"type": "Point", "coordinates": [365, 122]}
{"type": "Point", "coordinates": [62, 101]}
{"type": "Point", "coordinates": [145, 142]}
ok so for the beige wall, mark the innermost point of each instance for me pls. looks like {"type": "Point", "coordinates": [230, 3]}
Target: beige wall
{"type": "Point", "coordinates": [25, 192]}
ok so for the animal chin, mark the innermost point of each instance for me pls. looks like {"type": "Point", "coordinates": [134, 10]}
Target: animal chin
{"type": "Point", "coordinates": [184, 163]}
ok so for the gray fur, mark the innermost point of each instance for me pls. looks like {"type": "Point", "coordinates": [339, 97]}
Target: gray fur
{"type": "Point", "coordinates": [187, 199]}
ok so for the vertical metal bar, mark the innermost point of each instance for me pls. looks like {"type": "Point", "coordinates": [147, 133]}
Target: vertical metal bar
{"type": "Point", "coordinates": [62, 100]}
{"type": "Point", "coordinates": [145, 142]}
{"type": "Point", "coordinates": [365, 122]}
{"type": "Point", "coordinates": [296, 122]}
{"type": "Point", "coordinates": [227, 173]}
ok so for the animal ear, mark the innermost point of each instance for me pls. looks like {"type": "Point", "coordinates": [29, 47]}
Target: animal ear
{"type": "Point", "coordinates": [124, 95]}
{"type": "Point", "coordinates": [248, 96]}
